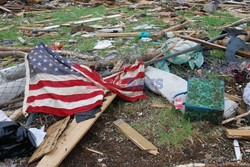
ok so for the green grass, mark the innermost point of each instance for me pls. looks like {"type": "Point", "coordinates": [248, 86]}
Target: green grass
{"type": "Point", "coordinates": [211, 22]}
{"type": "Point", "coordinates": [218, 54]}
{"type": "Point", "coordinates": [162, 126]}
{"type": "Point", "coordinates": [72, 13]}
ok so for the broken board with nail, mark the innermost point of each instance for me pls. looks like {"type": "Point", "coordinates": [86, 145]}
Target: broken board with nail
{"type": "Point", "coordinates": [136, 137]}
{"type": "Point", "coordinates": [70, 137]}
{"type": "Point", "coordinates": [49, 143]}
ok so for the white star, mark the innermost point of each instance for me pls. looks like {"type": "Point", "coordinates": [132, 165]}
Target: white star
{"type": "Point", "coordinates": [61, 64]}
{"type": "Point", "coordinates": [35, 53]}
{"type": "Point", "coordinates": [66, 67]}
{"type": "Point", "coordinates": [34, 60]}
{"type": "Point", "coordinates": [41, 51]}
{"type": "Point", "coordinates": [56, 60]}
{"type": "Point", "coordinates": [44, 68]}
{"type": "Point", "coordinates": [50, 55]}
{"type": "Point", "coordinates": [68, 61]}
{"type": "Point", "coordinates": [53, 51]}
{"type": "Point", "coordinates": [40, 56]}
{"type": "Point", "coordinates": [32, 51]}
{"type": "Point", "coordinates": [50, 64]}
{"type": "Point", "coordinates": [62, 61]}
{"type": "Point", "coordinates": [39, 63]}
{"type": "Point", "coordinates": [56, 69]}
{"type": "Point", "coordinates": [45, 60]}
{"type": "Point", "coordinates": [71, 70]}
{"type": "Point", "coordinates": [36, 47]}
{"type": "Point", "coordinates": [41, 46]}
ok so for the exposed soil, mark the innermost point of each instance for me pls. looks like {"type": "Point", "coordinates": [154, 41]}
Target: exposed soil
{"type": "Point", "coordinates": [119, 151]}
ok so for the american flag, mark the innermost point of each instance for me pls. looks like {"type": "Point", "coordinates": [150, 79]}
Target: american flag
{"type": "Point", "coordinates": [54, 85]}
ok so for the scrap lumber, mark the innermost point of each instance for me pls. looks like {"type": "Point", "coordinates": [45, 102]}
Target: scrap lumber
{"type": "Point", "coordinates": [5, 9]}
{"type": "Point", "coordinates": [235, 118]}
{"type": "Point", "coordinates": [24, 49]}
{"type": "Point", "coordinates": [20, 52]}
{"type": "Point", "coordinates": [6, 28]}
{"type": "Point", "coordinates": [165, 51]}
{"type": "Point", "coordinates": [7, 62]}
{"type": "Point", "coordinates": [94, 151]}
{"type": "Point", "coordinates": [238, 133]}
{"type": "Point", "coordinates": [233, 97]}
{"type": "Point", "coordinates": [219, 5]}
{"type": "Point", "coordinates": [16, 114]}
{"type": "Point", "coordinates": [112, 35]}
{"type": "Point", "coordinates": [13, 101]}
{"type": "Point", "coordinates": [160, 105]}
{"type": "Point", "coordinates": [136, 137]}
{"type": "Point", "coordinates": [216, 46]}
{"type": "Point", "coordinates": [12, 53]}
{"type": "Point", "coordinates": [70, 137]}
{"type": "Point", "coordinates": [97, 19]}
{"type": "Point", "coordinates": [239, 22]}
{"type": "Point", "coordinates": [177, 27]}
{"type": "Point", "coordinates": [74, 22]}
{"type": "Point", "coordinates": [49, 143]}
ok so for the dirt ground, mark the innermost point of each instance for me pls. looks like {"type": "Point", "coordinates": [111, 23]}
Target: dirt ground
{"type": "Point", "coordinates": [179, 141]}
{"type": "Point", "coordinates": [119, 151]}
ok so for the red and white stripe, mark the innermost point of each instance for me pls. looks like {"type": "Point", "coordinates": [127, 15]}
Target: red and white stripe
{"type": "Point", "coordinates": [118, 83]}
{"type": "Point", "coordinates": [65, 95]}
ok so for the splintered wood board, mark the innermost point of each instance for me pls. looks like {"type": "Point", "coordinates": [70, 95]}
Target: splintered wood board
{"type": "Point", "coordinates": [238, 133]}
{"type": "Point", "coordinates": [70, 137]}
{"type": "Point", "coordinates": [49, 143]}
{"type": "Point", "coordinates": [136, 137]}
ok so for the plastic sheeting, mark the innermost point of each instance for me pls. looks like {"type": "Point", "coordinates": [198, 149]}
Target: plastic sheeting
{"type": "Point", "coordinates": [15, 140]}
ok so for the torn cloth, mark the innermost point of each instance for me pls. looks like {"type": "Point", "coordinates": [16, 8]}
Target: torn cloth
{"type": "Point", "coordinates": [56, 86]}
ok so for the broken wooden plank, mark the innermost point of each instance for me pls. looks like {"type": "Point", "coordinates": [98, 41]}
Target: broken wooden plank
{"type": "Point", "coordinates": [6, 28]}
{"type": "Point", "coordinates": [5, 9]}
{"type": "Point", "coordinates": [216, 46]}
{"type": "Point", "coordinates": [112, 35]}
{"type": "Point", "coordinates": [238, 133]}
{"type": "Point", "coordinates": [136, 137]}
{"type": "Point", "coordinates": [239, 22]}
{"type": "Point", "coordinates": [163, 105]}
{"type": "Point", "coordinates": [13, 53]}
{"type": "Point", "coordinates": [19, 52]}
{"type": "Point", "coordinates": [177, 27]}
{"type": "Point", "coordinates": [70, 137]}
{"type": "Point", "coordinates": [13, 101]}
{"type": "Point", "coordinates": [16, 115]}
{"type": "Point", "coordinates": [235, 118]}
{"type": "Point", "coordinates": [97, 19]}
{"type": "Point", "coordinates": [7, 62]}
{"type": "Point", "coordinates": [49, 143]}
{"type": "Point", "coordinates": [233, 97]}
